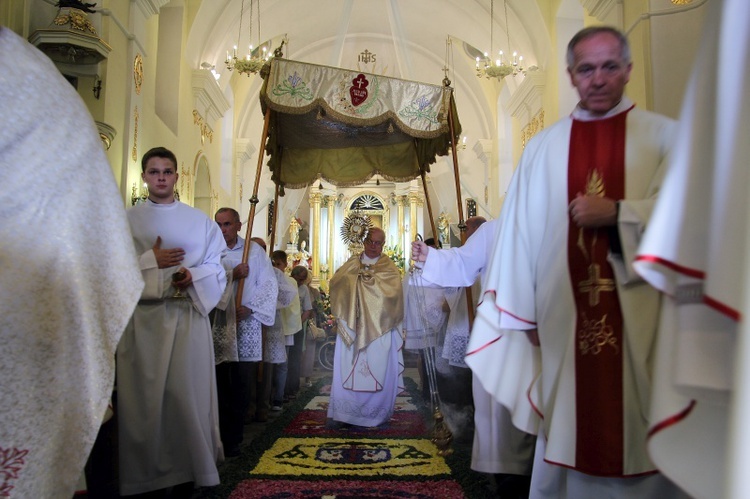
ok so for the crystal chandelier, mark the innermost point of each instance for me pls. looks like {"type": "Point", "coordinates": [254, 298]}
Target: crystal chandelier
{"type": "Point", "coordinates": [500, 68]}
{"type": "Point", "coordinates": [254, 59]}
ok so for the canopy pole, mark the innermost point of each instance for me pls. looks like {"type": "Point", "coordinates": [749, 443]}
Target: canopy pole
{"type": "Point", "coordinates": [429, 208]}
{"type": "Point", "coordinates": [272, 242]}
{"type": "Point", "coordinates": [253, 203]}
{"type": "Point", "coordinates": [461, 222]}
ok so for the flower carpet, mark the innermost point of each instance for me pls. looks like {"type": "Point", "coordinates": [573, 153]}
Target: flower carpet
{"type": "Point", "coordinates": [302, 455]}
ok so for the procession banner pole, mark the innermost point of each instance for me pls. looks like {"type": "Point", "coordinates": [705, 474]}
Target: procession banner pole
{"type": "Point", "coordinates": [429, 207]}
{"type": "Point", "coordinates": [253, 203]}
{"type": "Point", "coordinates": [461, 222]}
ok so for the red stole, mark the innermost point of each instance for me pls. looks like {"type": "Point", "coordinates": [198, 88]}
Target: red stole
{"type": "Point", "coordinates": [596, 166]}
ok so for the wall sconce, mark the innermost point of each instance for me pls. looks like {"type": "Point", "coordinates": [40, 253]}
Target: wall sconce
{"type": "Point", "coordinates": [461, 145]}
{"type": "Point", "coordinates": [210, 67]}
{"type": "Point", "coordinates": [97, 86]}
{"type": "Point", "coordinates": [138, 197]}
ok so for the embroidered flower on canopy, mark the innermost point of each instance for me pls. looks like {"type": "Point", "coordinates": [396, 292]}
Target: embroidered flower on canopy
{"type": "Point", "coordinates": [420, 109]}
{"type": "Point", "coordinates": [294, 87]}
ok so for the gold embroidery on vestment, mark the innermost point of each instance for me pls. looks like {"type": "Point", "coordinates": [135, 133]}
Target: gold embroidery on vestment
{"type": "Point", "coordinates": [595, 335]}
{"type": "Point", "coordinates": [595, 284]}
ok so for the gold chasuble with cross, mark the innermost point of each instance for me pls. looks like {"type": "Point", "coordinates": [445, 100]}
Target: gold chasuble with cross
{"type": "Point", "coordinates": [369, 297]}
{"type": "Point", "coordinates": [596, 167]}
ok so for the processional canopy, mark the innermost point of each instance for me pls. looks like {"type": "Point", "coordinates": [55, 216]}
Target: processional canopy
{"type": "Point", "coordinates": [345, 125]}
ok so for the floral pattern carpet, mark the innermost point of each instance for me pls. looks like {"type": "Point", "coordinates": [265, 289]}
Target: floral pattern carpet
{"type": "Point", "coordinates": [302, 455]}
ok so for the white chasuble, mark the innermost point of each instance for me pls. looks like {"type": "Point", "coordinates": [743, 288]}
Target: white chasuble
{"type": "Point", "coordinates": [695, 251]}
{"type": "Point", "coordinates": [535, 287]}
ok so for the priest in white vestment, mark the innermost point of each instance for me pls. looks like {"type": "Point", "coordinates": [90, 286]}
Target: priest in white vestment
{"type": "Point", "coordinates": [69, 278]}
{"type": "Point", "coordinates": [695, 251]}
{"type": "Point", "coordinates": [166, 385]}
{"type": "Point", "coordinates": [499, 448]}
{"type": "Point", "coordinates": [562, 276]}
{"type": "Point", "coordinates": [367, 300]}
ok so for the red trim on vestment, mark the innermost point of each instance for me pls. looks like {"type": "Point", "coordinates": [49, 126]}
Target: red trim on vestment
{"type": "Point", "coordinates": [481, 299]}
{"type": "Point", "coordinates": [378, 385]}
{"type": "Point", "coordinates": [717, 305]}
{"type": "Point", "coordinates": [681, 269]}
{"type": "Point", "coordinates": [516, 317]}
{"type": "Point", "coordinates": [634, 475]}
{"type": "Point", "coordinates": [531, 402]}
{"type": "Point", "coordinates": [502, 310]}
{"type": "Point", "coordinates": [671, 421]}
{"type": "Point", "coordinates": [401, 367]}
{"type": "Point", "coordinates": [483, 346]}
{"type": "Point", "coordinates": [733, 314]}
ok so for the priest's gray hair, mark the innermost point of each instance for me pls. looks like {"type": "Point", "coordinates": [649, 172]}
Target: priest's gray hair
{"type": "Point", "coordinates": [595, 30]}
{"type": "Point", "coordinates": [230, 210]}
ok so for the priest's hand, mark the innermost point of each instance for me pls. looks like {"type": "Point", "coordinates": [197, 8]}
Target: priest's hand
{"type": "Point", "coordinates": [166, 258]}
{"type": "Point", "coordinates": [591, 212]}
{"type": "Point", "coordinates": [419, 251]}
{"type": "Point", "coordinates": [243, 313]}
{"type": "Point", "coordinates": [241, 271]}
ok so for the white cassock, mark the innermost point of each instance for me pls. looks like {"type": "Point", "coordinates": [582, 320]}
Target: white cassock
{"type": "Point", "coordinates": [166, 382]}
{"type": "Point", "coordinates": [498, 446]}
{"type": "Point", "coordinates": [244, 341]}
{"type": "Point", "coordinates": [69, 278]}
{"type": "Point", "coordinates": [366, 382]}
{"type": "Point", "coordinates": [531, 278]}
{"type": "Point", "coordinates": [274, 344]}
{"type": "Point", "coordinates": [425, 315]}
{"type": "Point", "coordinates": [695, 251]}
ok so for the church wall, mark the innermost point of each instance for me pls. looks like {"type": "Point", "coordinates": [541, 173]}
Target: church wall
{"type": "Point", "coordinates": [675, 42]}
{"type": "Point", "coordinates": [14, 14]}
{"type": "Point", "coordinates": [116, 96]}
{"type": "Point", "coordinates": [640, 87]}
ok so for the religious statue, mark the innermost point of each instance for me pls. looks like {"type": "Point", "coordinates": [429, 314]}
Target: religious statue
{"type": "Point", "coordinates": [302, 257]}
{"type": "Point", "coordinates": [443, 229]}
{"type": "Point", "coordinates": [294, 227]}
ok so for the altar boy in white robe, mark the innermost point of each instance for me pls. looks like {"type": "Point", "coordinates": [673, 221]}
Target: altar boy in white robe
{"type": "Point", "coordinates": [166, 386]}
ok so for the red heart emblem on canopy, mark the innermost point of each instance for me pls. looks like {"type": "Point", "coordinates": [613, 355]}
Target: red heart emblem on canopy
{"type": "Point", "coordinates": [358, 90]}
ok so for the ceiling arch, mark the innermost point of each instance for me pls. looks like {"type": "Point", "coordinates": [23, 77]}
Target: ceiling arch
{"type": "Point", "coordinates": [409, 39]}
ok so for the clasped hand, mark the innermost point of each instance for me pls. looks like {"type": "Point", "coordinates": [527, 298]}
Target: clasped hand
{"type": "Point", "coordinates": [419, 251]}
{"type": "Point", "coordinates": [172, 257]}
{"type": "Point", "coordinates": [241, 271]}
{"type": "Point", "coordinates": [591, 212]}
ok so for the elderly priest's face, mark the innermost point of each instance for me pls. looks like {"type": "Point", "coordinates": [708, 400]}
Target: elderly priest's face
{"type": "Point", "coordinates": [374, 243]}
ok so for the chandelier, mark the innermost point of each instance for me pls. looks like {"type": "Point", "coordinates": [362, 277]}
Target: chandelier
{"type": "Point", "coordinates": [500, 67]}
{"type": "Point", "coordinates": [255, 58]}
